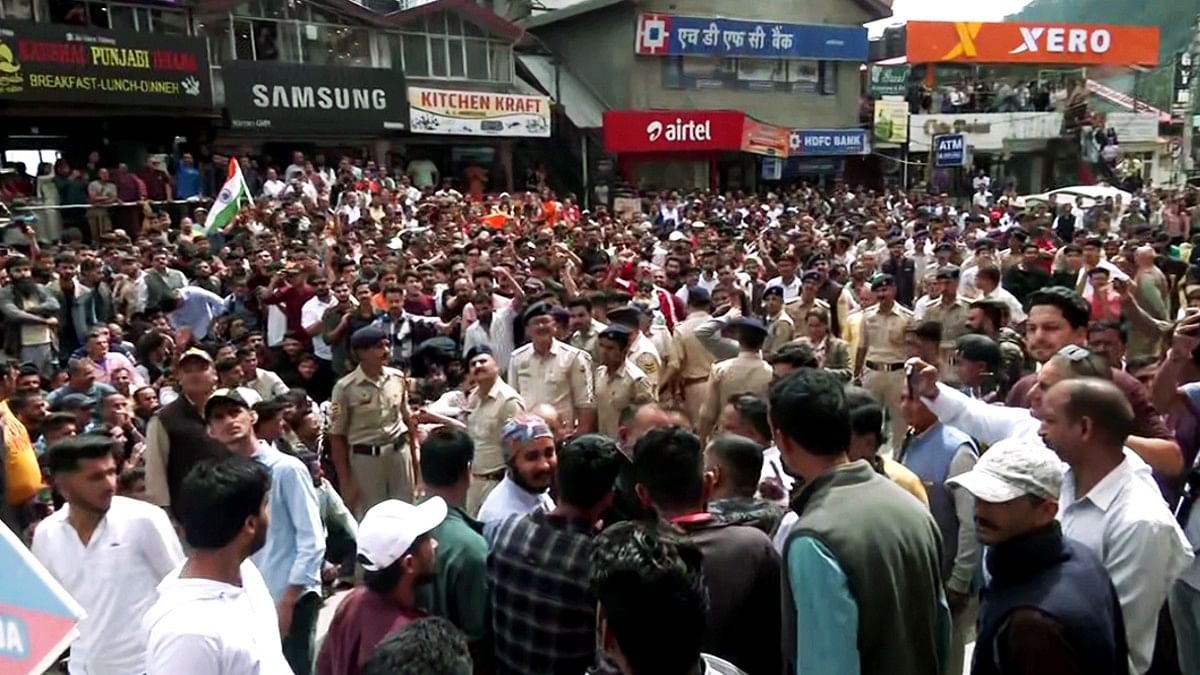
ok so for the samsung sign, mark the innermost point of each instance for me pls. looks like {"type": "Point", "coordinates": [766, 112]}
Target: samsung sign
{"type": "Point", "coordinates": [298, 98]}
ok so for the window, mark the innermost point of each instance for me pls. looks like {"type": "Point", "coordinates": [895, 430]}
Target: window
{"type": "Point", "coordinates": [336, 46]}
{"type": "Point", "coordinates": [166, 21]}
{"type": "Point", "coordinates": [477, 60]}
{"type": "Point", "coordinates": [501, 62]}
{"type": "Point", "coordinates": [457, 58]}
{"type": "Point", "coordinates": [416, 55]}
{"type": "Point", "coordinates": [243, 41]}
{"type": "Point", "coordinates": [437, 57]}
{"type": "Point", "coordinates": [121, 17]}
{"type": "Point", "coordinates": [829, 78]}
{"type": "Point", "coordinates": [220, 49]}
{"type": "Point", "coordinates": [16, 9]}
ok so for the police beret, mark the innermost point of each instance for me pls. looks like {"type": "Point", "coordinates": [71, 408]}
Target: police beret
{"type": "Point", "coordinates": [810, 275]}
{"type": "Point", "coordinates": [698, 294]}
{"type": "Point", "coordinates": [947, 272]}
{"type": "Point", "coordinates": [618, 332]}
{"type": "Point", "coordinates": [748, 323]}
{"type": "Point", "coordinates": [367, 336]}
{"type": "Point", "coordinates": [536, 310]}
{"type": "Point", "coordinates": [881, 280]}
{"type": "Point", "coordinates": [477, 351]}
{"type": "Point", "coordinates": [773, 291]}
{"type": "Point", "coordinates": [627, 314]}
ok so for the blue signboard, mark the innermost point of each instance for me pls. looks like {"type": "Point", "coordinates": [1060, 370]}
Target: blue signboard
{"type": "Point", "coordinates": [817, 142]}
{"type": "Point", "coordinates": [673, 35]}
{"type": "Point", "coordinates": [37, 617]}
{"type": "Point", "coordinates": [949, 150]}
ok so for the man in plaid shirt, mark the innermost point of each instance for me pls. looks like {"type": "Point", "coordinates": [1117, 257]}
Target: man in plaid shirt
{"type": "Point", "coordinates": [543, 612]}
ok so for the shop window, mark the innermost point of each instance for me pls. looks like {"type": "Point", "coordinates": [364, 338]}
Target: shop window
{"type": "Point", "coordinates": [243, 40]}
{"type": "Point", "coordinates": [477, 60]}
{"type": "Point", "coordinates": [121, 17]}
{"type": "Point", "coordinates": [264, 9]}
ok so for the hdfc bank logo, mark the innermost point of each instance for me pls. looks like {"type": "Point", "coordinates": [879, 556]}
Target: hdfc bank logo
{"type": "Point", "coordinates": [679, 131]}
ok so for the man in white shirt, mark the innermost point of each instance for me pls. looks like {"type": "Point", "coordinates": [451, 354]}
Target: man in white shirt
{"type": "Point", "coordinates": [214, 615]}
{"type": "Point", "coordinates": [423, 172]}
{"type": "Point", "coordinates": [273, 187]}
{"type": "Point", "coordinates": [311, 315]}
{"type": "Point", "coordinates": [787, 279]}
{"type": "Point", "coordinates": [1108, 509]}
{"type": "Point", "coordinates": [528, 447]}
{"type": "Point", "coordinates": [987, 281]}
{"type": "Point", "coordinates": [109, 553]}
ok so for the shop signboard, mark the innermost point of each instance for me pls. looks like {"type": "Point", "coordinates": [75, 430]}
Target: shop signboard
{"type": "Point", "coordinates": [890, 123]}
{"type": "Point", "coordinates": [37, 616]}
{"type": "Point", "coordinates": [1133, 127]}
{"type": "Point", "coordinates": [764, 139]}
{"type": "Point", "coordinates": [950, 150]}
{"type": "Point", "coordinates": [451, 112]}
{"type": "Point", "coordinates": [672, 130]}
{"type": "Point", "coordinates": [985, 131]}
{"type": "Point", "coordinates": [828, 142]}
{"type": "Point", "coordinates": [1038, 43]}
{"type": "Point", "coordinates": [1181, 101]}
{"type": "Point", "coordinates": [675, 35]}
{"type": "Point", "coordinates": [295, 98]}
{"type": "Point", "coordinates": [50, 63]}
{"type": "Point", "coordinates": [888, 80]}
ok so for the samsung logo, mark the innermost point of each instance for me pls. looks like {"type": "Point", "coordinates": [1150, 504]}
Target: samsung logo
{"type": "Point", "coordinates": [324, 98]}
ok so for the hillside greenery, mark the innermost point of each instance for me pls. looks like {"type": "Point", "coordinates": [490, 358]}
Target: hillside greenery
{"type": "Point", "coordinates": [1176, 19]}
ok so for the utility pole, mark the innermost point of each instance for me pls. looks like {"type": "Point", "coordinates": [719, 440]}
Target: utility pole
{"type": "Point", "coordinates": [1188, 126]}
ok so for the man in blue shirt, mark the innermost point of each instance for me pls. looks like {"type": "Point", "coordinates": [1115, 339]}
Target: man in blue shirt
{"type": "Point", "coordinates": [862, 569]}
{"type": "Point", "coordinates": [290, 560]}
{"type": "Point", "coordinates": [193, 309]}
{"type": "Point", "coordinates": [187, 178]}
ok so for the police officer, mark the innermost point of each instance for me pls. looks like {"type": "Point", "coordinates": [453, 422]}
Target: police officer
{"type": "Point", "coordinates": [550, 371]}
{"type": "Point", "coordinates": [619, 381]}
{"type": "Point", "coordinates": [781, 328]}
{"type": "Point", "coordinates": [950, 311]}
{"type": "Point", "coordinates": [695, 361]}
{"type": "Point", "coordinates": [641, 350]}
{"type": "Point", "coordinates": [798, 307]}
{"type": "Point", "coordinates": [746, 373]}
{"type": "Point", "coordinates": [881, 351]}
{"type": "Point", "coordinates": [369, 426]}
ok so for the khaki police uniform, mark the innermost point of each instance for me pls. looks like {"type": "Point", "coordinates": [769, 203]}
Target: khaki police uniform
{"type": "Point", "coordinates": [746, 373]}
{"type": "Point", "coordinates": [781, 330]}
{"type": "Point", "coordinates": [646, 356]}
{"type": "Point", "coordinates": [486, 416]}
{"type": "Point", "coordinates": [695, 364]}
{"type": "Point", "coordinates": [883, 371]}
{"type": "Point", "coordinates": [953, 318]}
{"type": "Point", "coordinates": [371, 413]}
{"type": "Point", "coordinates": [618, 390]}
{"type": "Point", "coordinates": [562, 377]}
{"type": "Point", "coordinates": [589, 340]}
{"type": "Point", "coordinates": [797, 308]}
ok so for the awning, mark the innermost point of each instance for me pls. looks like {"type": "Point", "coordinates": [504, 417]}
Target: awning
{"type": "Point", "coordinates": [583, 108]}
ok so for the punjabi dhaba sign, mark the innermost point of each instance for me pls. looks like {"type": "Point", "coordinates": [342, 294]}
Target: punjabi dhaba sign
{"type": "Point", "coordinates": [1032, 43]}
{"type": "Point", "coordinates": [71, 64]}
{"type": "Point", "coordinates": [477, 113]}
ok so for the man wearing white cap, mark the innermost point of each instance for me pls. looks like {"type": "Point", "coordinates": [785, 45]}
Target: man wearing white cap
{"type": "Point", "coordinates": [398, 556]}
{"type": "Point", "coordinates": [1050, 606]}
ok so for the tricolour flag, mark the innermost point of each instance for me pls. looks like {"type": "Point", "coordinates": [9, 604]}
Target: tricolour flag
{"type": "Point", "coordinates": [226, 205]}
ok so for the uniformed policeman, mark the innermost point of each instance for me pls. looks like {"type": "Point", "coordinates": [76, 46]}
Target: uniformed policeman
{"type": "Point", "coordinates": [798, 307]}
{"type": "Point", "coordinates": [882, 351]}
{"type": "Point", "coordinates": [490, 405]}
{"type": "Point", "coordinates": [746, 373]}
{"type": "Point", "coordinates": [950, 311]}
{"type": "Point", "coordinates": [781, 328]}
{"type": "Point", "coordinates": [619, 381]}
{"type": "Point", "coordinates": [641, 350]}
{"type": "Point", "coordinates": [695, 361]}
{"type": "Point", "coordinates": [369, 423]}
{"type": "Point", "coordinates": [549, 371]}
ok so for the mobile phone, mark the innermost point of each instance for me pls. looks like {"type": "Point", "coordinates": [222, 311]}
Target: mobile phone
{"type": "Point", "coordinates": [910, 375]}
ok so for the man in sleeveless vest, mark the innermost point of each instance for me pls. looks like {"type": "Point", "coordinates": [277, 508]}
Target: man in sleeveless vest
{"type": "Point", "coordinates": [1050, 606]}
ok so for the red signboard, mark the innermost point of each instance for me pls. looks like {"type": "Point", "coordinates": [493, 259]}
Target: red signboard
{"type": "Point", "coordinates": [690, 130]}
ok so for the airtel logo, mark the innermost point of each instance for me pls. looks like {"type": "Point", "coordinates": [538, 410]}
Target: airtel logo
{"type": "Point", "coordinates": [679, 131]}
{"type": "Point", "coordinates": [1063, 40]}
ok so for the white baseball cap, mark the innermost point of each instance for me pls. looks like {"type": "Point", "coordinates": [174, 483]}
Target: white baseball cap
{"type": "Point", "coordinates": [1010, 469]}
{"type": "Point", "coordinates": [390, 527]}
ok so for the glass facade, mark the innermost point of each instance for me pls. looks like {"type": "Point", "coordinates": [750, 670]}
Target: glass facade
{"type": "Point", "coordinates": [99, 14]}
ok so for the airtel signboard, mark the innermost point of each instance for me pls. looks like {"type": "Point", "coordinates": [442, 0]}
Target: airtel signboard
{"type": "Point", "coordinates": [672, 130]}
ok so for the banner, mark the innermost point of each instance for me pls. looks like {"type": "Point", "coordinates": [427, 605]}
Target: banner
{"type": "Point", "coordinates": [1133, 127]}
{"type": "Point", "coordinates": [1181, 89]}
{"type": "Point", "coordinates": [73, 64]}
{"type": "Point", "coordinates": [37, 616]}
{"type": "Point", "coordinates": [478, 113]}
{"type": "Point", "coordinates": [1032, 43]}
{"type": "Point", "coordinates": [296, 98]}
{"type": "Point", "coordinates": [985, 131]}
{"type": "Point", "coordinates": [890, 124]}
{"type": "Point", "coordinates": [764, 139]}
{"type": "Point", "coordinates": [888, 81]}
{"type": "Point", "coordinates": [817, 142]}
{"type": "Point", "coordinates": [674, 35]}
{"type": "Point", "coordinates": [672, 130]}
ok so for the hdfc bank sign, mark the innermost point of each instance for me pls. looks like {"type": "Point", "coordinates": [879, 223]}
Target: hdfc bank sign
{"type": "Point", "coordinates": [672, 130]}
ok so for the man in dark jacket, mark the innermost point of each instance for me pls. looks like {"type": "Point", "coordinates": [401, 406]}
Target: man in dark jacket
{"type": "Point", "coordinates": [1050, 606]}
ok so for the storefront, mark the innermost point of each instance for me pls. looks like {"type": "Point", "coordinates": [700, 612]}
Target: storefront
{"type": "Point", "coordinates": [819, 156]}
{"type": "Point", "coordinates": [67, 90]}
{"type": "Point", "coordinates": [691, 149]}
{"type": "Point", "coordinates": [487, 141]}
{"type": "Point", "coordinates": [276, 108]}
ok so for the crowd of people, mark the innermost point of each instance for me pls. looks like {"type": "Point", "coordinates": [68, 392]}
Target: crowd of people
{"type": "Point", "coordinates": [997, 95]}
{"type": "Point", "coordinates": [807, 431]}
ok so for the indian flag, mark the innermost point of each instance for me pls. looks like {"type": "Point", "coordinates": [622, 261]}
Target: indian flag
{"type": "Point", "coordinates": [226, 205]}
